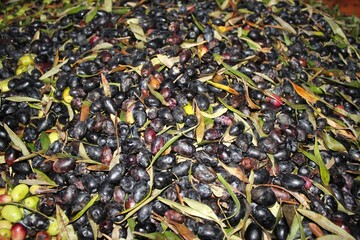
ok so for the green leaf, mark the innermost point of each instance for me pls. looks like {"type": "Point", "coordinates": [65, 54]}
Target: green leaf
{"type": "Point", "coordinates": [239, 74]}
{"type": "Point", "coordinates": [232, 194]}
{"type": "Point", "coordinates": [42, 176]}
{"type": "Point", "coordinates": [66, 230]}
{"type": "Point", "coordinates": [136, 208]}
{"type": "Point", "coordinates": [45, 141]}
{"type": "Point", "coordinates": [324, 172]}
{"type": "Point", "coordinates": [22, 99]}
{"type": "Point", "coordinates": [252, 44]}
{"type": "Point", "coordinates": [16, 140]}
{"type": "Point", "coordinates": [168, 144]}
{"type": "Point", "coordinates": [284, 24]}
{"type": "Point", "coordinates": [53, 71]}
{"type": "Point", "coordinates": [90, 15]}
{"type": "Point", "coordinates": [239, 116]}
{"type": "Point", "coordinates": [216, 114]}
{"type": "Point", "coordinates": [107, 6]}
{"type": "Point", "coordinates": [101, 46]}
{"type": "Point", "coordinates": [294, 228]}
{"type": "Point", "coordinates": [137, 31]}
{"type": "Point", "coordinates": [88, 205]}
{"type": "Point", "coordinates": [335, 27]}
{"type": "Point", "coordinates": [329, 237]}
{"type": "Point", "coordinates": [198, 24]}
{"type": "Point", "coordinates": [158, 96]}
{"type": "Point", "coordinates": [325, 223]}
{"type": "Point", "coordinates": [332, 143]}
{"type": "Point", "coordinates": [201, 207]}
{"type": "Point", "coordinates": [187, 210]}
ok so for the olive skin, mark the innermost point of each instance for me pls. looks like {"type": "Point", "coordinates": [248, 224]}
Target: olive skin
{"type": "Point", "coordinates": [253, 232]}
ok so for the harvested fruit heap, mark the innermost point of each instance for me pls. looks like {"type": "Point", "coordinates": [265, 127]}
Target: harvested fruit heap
{"type": "Point", "coordinates": [176, 120]}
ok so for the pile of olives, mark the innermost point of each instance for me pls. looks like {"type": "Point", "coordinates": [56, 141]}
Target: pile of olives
{"type": "Point", "coordinates": [179, 120]}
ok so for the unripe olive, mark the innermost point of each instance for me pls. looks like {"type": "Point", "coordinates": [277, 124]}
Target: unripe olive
{"type": "Point", "coordinates": [54, 136]}
{"type": "Point", "coordinates": [5, 224]}
{"type": "Point", "coordinates": [11, 213]}
{"type": "Point", "coordinates": [34, 189]}
{"type": "Point", "coordinates": [53, 228]}
{"type": "Point", "coordinates": [31, 202]}
{"type": "Point", "coordinates": [26, 60]}
{"type": "Point", "coordinates": [5, 233]}
{"type": "Point", "coordinates": [66, 95]}
{"type": "Point", "coordinates": [19, 192]}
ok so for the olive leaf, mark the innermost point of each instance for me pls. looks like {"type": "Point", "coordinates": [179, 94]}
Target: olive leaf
{"type": "Point", "coordinates": [22, 99]}
{"type": "Point", "coordinates": [325, 223]}
{"type": "Point", "coordinates": [146, 200]}
{"type": "Point", "coordinates": [329, 237]}
{"type": "Point", "coordinates": [181, 229]}
{"type": "Point", "coordinates": [101, 46]}
{"type": "Point", "coordinates": [197, 23]}
{"type": "Point", "coordinates": [239, 74]}
{"type": "Point", "coordinates": [16, 140]}
{"type": "Point", "coordinates": [54, 70]}
{"type": "Point", "coordinates": [201, 207]}
{"type": "Point", "coordinates": [335, 27]}
{"type": "Point", "coordinates": [107, 6]}
{"type": "Point", "coordinates": [284, 24]}
{"type": "Point", "coordinates": [324, 172]}
{"type": "Point", "coordinates": [187, 45]}
{"type": "Point", "coordinates": [332, 143]}
{"type": "Point", "coordinates": [189, 211]}
{"type": "Point", "coordinates": [216, 114]}
{"type": "Point", "coordinates": [42, 176]}
{"type": "Point", "coordinates": [252, 44]}
{"type": "Point", "coordinates": [168, 62]}
{"type": "Point", "coordinates": [295, 227]}
{"type": "Point", "coordinates": [137, 31]}
{"type": "Point", "coordinates": [232, 194]}
{"type": "Point", "coordinates": [303, 93]}
{"type": "Point", "coordinates": [200, 129]}
{"type": "Point", "coordinates": [158, 96]}
{"type": "Point", "coordinates": [88, 205]}
{"type": "Point", "coordinates": [223, 87]}
{"type": "Point", "coordinates": [91, 14]}
{"type": "Point", "coordinates": [237, 172]}
{"type": "Point", "coordinates": [45, 141]}
{"type": "Point", "coordinates": [66, 230]}
{"type": "Point", "coordinates": [168, 144]}
{"type": "Point", "coordinates": [167, 235]}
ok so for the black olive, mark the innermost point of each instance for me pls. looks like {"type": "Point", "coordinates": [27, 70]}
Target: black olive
{"type": "Point", "coordinates": [253, 232]}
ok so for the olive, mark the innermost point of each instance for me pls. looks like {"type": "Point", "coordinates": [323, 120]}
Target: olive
{"type": "Point", "coordinates": [163, 179]}
{"type": "Point", "coordinates": [165, 162]}
{"type": "Point", "coordinates": [263, 196]}
{"type": "Point", "coordinates": [263, 216]}
{"type": "Point", "coordinates": [184, 147]}
{"type": "Point", "coordinates": [292, 182]}
{"type": "Point", "coordinates": [63, 165]}
{"type": "Point", "coordinates": [282, 230]}
{"type": "Point", "coordinates": [203, 173]}
{"type": "Point", "coordinates": [19, 192]}
{"type": "Point", "coordinates": [11, 213]}
{"type": "Point", "coordinates": [253, 232]}
{"type": "Point", "coordinates": [209, 231]}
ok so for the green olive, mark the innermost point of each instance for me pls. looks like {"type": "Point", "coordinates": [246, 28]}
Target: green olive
{"type": "Point", "coordinates": [31, 202]}
{"type": "Point", "coordinates": [5, 233]}
{"type": "Point", "coordinates": [26, 60]}
{"type": "Point", "coordinates": [53, 228]}
{"type": "Point", "coordinates": [19, 192]}
{"type": "Point", "coordinates": [66, 95]}
{"type": "Point", "coordinates": [5, 224]}
{"type": "Point", "coordinates": [11, 213]}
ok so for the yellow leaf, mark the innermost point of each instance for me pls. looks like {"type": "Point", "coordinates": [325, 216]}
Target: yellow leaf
{"type": "Point", "coordinates": [304, 94]}
{"type": "Point", "coordinates": [223, 87]}
{"type": "Point", "coordinates": [200, 129]}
